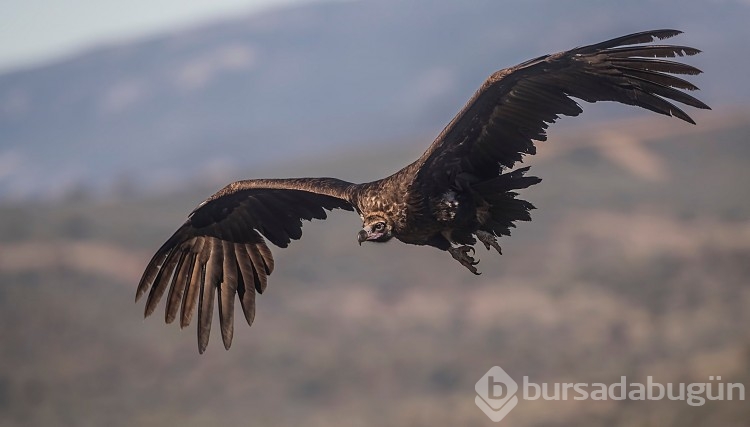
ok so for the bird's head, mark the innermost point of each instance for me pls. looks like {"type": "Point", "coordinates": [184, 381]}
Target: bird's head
{"type": "Point", "coordinates": [375, 228]}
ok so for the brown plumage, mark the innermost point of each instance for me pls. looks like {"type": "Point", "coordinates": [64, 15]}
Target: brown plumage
{"type": "Point", "coordinates": [461, 190]}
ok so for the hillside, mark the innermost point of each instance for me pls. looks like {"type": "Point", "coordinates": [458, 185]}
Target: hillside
{"type": "Point", "coordinates": [231, 96]}
{"type": "Point", "coordinates": [635, 264]}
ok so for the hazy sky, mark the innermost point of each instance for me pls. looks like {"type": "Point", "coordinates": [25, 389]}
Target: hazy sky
{"type": "Point", "coordinates": [36, 31]}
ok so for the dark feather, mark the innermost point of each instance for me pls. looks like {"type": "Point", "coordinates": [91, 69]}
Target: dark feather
{"type": "Point", "coordinates": [246, 283]}
{"type": "Point", "coordinates": [465, 177]}
{"type": "Point", "coordinates": [513, 107]}
{"type": "Point", "coordinates": [177, 289]}
{"type": "Point", "coordinates": [214, 277]}
{"type": "Point", "coordinates": [220, 250]}
{"type": "Point", "coordinates": [197, 277]}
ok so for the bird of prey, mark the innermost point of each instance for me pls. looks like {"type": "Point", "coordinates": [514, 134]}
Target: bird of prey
{"type": "Point", "coordinates": [463, 189]}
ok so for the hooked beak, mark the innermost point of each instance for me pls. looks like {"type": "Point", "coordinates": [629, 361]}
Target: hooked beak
{"type": "Point", "coordinates": [362, 236]}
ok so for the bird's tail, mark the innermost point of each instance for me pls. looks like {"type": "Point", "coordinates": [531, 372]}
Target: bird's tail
{"type": "Point", "coordinates": [502, 207]}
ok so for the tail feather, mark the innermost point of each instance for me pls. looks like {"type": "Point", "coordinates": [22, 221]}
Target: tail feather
{"type": "Point", "coordinates": [513, 180]}
{"type": "Point", "coordinates": [503, 208]}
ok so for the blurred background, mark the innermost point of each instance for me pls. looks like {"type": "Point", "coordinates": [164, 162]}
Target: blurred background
{"type": "Point", "coordinates": [116, 119]}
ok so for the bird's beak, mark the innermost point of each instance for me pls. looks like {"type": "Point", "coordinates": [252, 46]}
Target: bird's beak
{"type": "Point", "coordinates": [362, 236]}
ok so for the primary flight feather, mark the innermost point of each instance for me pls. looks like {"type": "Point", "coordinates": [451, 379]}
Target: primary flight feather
{"type": "Point", "coordinates": [462, 189]}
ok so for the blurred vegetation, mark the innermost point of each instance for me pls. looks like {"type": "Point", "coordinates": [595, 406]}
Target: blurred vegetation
{"type": "Point", "coordinates": [624, 271]}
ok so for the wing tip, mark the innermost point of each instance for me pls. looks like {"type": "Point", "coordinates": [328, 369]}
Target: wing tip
{"type": "Point", "coordinates": [227, 343]}
{"type": "Point", "coordinates": [666, 33]}
{"type": "Point", "coordinates": [634, 39]}
{"type": "Point", "coordinates": [139, 294]}
{"type": "Point", "coordinates": [654, 35]}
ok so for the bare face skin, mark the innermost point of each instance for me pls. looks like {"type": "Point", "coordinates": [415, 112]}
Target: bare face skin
{"type": "Point", "coordinates": [375, 229]}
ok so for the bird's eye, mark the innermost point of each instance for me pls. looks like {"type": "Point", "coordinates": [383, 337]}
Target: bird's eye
{"type": "Point", "coordinates": [379, 226]}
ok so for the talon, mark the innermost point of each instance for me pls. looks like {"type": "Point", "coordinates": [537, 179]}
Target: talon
{"type": "Point", "coordinates": [461, 254]}
{"type": "Point", "coordinates": [489, 240]}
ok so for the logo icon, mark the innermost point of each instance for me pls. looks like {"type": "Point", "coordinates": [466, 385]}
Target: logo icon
{"type": "Point", "coordinates": [496, 393]}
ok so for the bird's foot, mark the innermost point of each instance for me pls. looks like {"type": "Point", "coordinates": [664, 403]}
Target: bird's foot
{"type": "Point", "coordinates": [461, 254]}
{"type": "Point", "coordinates": [489, 240]}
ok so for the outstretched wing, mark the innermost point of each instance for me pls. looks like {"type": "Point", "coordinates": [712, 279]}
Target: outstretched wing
{"type": "Point", "coordinates": [515, 105]}
{"type": "Point", "coordinates": [220, 248]}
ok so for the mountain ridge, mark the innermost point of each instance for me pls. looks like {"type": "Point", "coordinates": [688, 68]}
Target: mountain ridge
{"type": "Point", "coordinates": [303, 81]}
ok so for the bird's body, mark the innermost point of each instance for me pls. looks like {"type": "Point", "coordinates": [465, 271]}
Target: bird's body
{"type": "Point", "coordinates": [420, 213]}
{"type": "Point", "coordinates": [461, 190]}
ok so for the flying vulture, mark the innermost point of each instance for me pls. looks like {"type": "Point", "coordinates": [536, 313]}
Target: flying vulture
{"type": "Point", "coordinates": [460, 191]}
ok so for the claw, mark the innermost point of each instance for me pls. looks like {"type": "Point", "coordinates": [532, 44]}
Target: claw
{"type": "Point", "coordinates": [461, 254]}
{"type": "Point", "coordinates": [489, 240]}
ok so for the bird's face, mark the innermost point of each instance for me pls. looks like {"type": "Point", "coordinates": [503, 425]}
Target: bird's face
{"type": "Point", "coordinates": [375, 229]}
